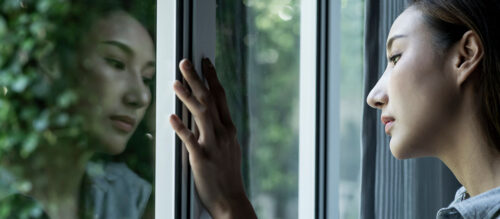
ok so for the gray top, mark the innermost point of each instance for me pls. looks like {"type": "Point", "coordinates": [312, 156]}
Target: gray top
{"type": "Point", "coordinates": [110, 190]}
{"type": "Point", "coordinates": [484, 205]}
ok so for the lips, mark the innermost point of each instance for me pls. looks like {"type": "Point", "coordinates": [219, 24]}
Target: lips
{"type": "Point", "coordinates": [123, 123]}
{"type": "Point", "coordinates": [388, 122]}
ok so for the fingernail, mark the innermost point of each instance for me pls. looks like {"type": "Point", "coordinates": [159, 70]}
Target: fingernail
{"type": "Point", "coordinates": [204, 61]}
{"type": "Point", "coordinates": [179, 87]}
{"type": "Point", "coordinates": [188, 65]}
{"type": "Point", "coordinates": [209, 63]}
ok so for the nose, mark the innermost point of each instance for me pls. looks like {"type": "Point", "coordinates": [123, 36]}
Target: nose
{"type": "Point", "coordinates": [138, 94]}
{"type": "Point", "coordinates": [378, 98]}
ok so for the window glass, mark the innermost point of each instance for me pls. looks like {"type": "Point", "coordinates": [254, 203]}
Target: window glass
{"type": "Point", "coordinates": [257, 57]}
{"type": "Point", "coordinates": [77, 82]}
{"type": "Point", "coordinates": [351, 106]}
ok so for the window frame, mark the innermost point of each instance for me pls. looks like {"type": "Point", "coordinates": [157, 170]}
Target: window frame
{"type": "Point", "coordinates": [194, 37]}
{"type": "Point", "coordinates": [308, 110]}
{"type": "Point", "coordinates": [328, 118]}
{"type": "Point", "coordinates": [167, 150]}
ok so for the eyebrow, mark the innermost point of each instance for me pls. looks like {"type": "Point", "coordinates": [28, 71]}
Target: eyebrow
{"type": "Point", "coordinates": [391, 40]}
{"type": "Point", "coordinates": [127, 50]}
{"type": "Point", "coordinates": [120, 45]}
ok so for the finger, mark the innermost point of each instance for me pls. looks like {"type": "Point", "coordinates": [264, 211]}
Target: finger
{"type": "Point", "coordinates": [196, 131]}
{"type": "Point", "coordinates": [199, 111]}
{"type": "Point", "coordinates": [199, 90]}
{"type": "Point", "coordinates": [213, 106]}
{"type": "Point", "coordinates": [218, 93]}
{"type": "Point", "coordinates": [185, 135]}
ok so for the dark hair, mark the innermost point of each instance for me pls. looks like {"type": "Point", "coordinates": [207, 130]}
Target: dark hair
{"type": "Point", "coordinates": [449, 20]}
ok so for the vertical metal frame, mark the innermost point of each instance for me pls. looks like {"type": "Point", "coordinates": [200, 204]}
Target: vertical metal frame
{"type": "Point", "coordinates": [332, 110]}
{"type": "Point", "coordinates": [166, 144]}
{"type": "Point", "coordinates": [319, 145]}
{"type": "Point", "coordinates": [203, 46]}
{"type": "Point", "coordinates": [307, 108]}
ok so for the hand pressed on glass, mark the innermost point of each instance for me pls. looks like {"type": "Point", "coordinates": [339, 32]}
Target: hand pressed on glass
{"type": "Point", "coordinates": [214, 155]}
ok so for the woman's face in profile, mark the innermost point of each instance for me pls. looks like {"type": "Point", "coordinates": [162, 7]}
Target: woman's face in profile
{"type": "Point", "coordinates": [417, 92]}
{"type": "Point", "coordinates": [117, 63]}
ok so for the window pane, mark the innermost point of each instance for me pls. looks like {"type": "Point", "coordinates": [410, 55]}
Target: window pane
{"type": "Point", "coordinates": [351, 105]}
{"type": "Point", "coordinates": [257, 58]}
{"type": "Point", "coordinates": [77, 82]}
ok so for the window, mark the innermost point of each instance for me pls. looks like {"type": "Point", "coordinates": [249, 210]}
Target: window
{"type": "Point", "coordinates": [292, 71]}
{"type": "Point", "coordinates": [266, 55]}
{"type": "Point", "coordinates": [351, 106]}
{"type": "Point", "coordinates": [258, 60]}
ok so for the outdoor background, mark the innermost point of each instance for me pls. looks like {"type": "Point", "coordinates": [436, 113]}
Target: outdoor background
{"type": "Point", "coordinates": [258, 60]}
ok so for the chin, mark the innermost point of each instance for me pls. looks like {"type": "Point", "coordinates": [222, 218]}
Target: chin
{"type": "Point", "coordinates": [401, 150]}
{"type": "Point", "coordinates": [112, 147]}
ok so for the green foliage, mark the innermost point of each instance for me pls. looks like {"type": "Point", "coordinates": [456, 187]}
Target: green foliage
{"type": "Point", "coordinates": [34, 100]}
{"type": "Point", "coordinates": [259, 68]}
{"type": "Point", "coordinates": [20, 207]}
{"type": "Point", "coordinates": [267, 37]}
{"type": "Point", "coordinates": [38, 96]}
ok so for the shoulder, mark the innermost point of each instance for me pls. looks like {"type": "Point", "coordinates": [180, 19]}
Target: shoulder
{"type": "Point", "coordinates": [106, 174]}
{"type": "Point", "coordinates": [114, 186]}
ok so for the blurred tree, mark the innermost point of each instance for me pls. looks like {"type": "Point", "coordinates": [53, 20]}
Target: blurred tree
{"type": "Point", "coordinates": [258, 62]}
{"type": "Point", "coordinates": [268, 62]}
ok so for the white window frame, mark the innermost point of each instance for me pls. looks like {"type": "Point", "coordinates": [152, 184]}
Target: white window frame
{"type": "Point", "coordinates": [165, 106]}
{"type": "Point", "coordinates": [307, 114]}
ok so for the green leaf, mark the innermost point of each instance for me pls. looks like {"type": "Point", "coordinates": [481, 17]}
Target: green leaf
{"type": "Point", "coordinates": [66, 99]}
{"type": "Point", "coordinates": [20, 84]}
{"type": "Point", "coordinates": [42, 122]}
{"type": "Point", "coordinates": [3, 27]}
{"type": "Point", "coordinates": [29, 145]}
{"type": "Point", "coordinates": [4, 110]}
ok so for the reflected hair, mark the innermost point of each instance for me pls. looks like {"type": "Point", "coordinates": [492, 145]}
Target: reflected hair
{"type": "Point", "coordinates": [449, 20]}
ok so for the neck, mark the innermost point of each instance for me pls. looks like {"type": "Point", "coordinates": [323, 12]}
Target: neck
{"type": "Point", "coordinates": [55, 174]}
{"type": "Point", "coordinates": [469, 155]}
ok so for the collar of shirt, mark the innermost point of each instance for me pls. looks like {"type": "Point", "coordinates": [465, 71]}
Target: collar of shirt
{"type": "Point", "coordinates": [484, 205]}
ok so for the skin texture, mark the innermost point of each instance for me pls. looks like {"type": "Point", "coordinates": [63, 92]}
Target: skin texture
{"type": "Point", "coordinates": [214, 154]}
{"type": "Point", "coordinates": [426, 93]}
{"type": "Point", "coordinates": [416, 90]}
{"type": "Point", "coordinates": [430, 96]}
{"type": "Point", "coordinates": [116, 66]}
{"type": "Point", "coordinates": [113, 80]}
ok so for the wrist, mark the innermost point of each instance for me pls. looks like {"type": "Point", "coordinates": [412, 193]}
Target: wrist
{"type": "Point", "coordinates": [236, 207]}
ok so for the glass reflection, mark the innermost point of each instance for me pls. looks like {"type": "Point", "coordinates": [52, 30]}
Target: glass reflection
{"type": "Point", "coordinates": [76, 136]}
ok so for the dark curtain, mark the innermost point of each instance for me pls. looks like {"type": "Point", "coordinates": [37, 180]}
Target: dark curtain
{"type": "Point", "coordinates": [390, 188]}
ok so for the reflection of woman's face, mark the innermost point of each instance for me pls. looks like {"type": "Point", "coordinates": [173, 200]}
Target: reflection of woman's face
{"type": "Point", "coordinates": [117, 64]}
{"type": "Point", "coordinates": [417, 92]}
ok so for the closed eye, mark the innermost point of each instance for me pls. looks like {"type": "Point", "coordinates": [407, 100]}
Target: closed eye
{"type": "Point", "coordinates": [115, 63]}
{"type": "Point", "coordinates": [147, 81]}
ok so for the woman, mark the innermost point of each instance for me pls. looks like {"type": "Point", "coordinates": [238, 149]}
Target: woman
{"type": "Point", "coordinates": [117, 64]}
{"type": "Point", "coordinates": [114, 64]}
{"type": "Point", "coordinates": [439, 96]}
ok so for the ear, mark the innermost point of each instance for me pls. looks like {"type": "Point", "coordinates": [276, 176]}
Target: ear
{"type": "Point", "coordinates": [469, 55]}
